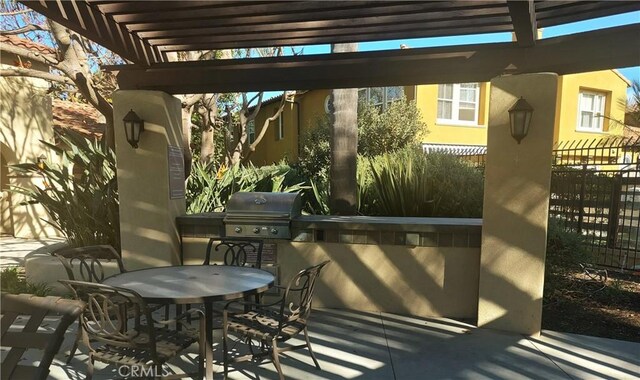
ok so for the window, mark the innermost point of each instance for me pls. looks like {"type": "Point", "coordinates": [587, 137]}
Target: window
{"type": "Point", "coordinates": [458, 103]}
{"type": "Point", "coordinates": [590, 111]}
{"type": "Point", "coordinates": [251, 131]}
{"type": "Point", "coordinates": [280, 129]}
{"type": "Point", "coordinates": [380, 96]}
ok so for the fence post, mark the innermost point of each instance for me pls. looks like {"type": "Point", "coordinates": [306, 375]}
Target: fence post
{"type": "Point", "coordinates": [583, 185]}
{"type": "Point", "coordinates": [614, 210]}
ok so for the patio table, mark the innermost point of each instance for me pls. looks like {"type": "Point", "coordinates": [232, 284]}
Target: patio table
{"type": "Point", "coordinates": [193, 284]}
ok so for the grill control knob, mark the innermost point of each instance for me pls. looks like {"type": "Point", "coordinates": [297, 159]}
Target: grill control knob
{"type": "Point", "coordinates": [274, 231]}
{"type": "Point", "coordinates": [256, 230]}
{"type": "Point", "coordinates": [238, 230]}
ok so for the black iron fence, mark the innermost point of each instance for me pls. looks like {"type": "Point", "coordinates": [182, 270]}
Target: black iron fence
{"type": "Point", "coordinates": [595, 191]}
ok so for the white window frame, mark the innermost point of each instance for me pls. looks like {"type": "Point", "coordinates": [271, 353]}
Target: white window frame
{"type": "Point", "coordinates": [455, 107]}
{"type": "Point", "coordinates": [280, 135]}
{"type": "Point", "coordinates": [597, 115]}
{"type": "Point", "coordinates": [251, 131]}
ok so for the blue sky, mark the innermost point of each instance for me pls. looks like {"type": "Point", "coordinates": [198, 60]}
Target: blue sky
{"type": "Point", "coordinates": [631, 73]}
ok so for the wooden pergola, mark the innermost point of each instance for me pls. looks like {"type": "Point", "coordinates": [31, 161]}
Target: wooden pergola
{"type": "Point", "coordinates": [510, 261]}
{"type": "Point", "coordinates": [144, 32]}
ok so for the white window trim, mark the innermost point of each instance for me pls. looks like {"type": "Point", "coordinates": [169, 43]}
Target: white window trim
{"type": "Point", "coordinates": [600, 119]}
{"type": "Point", "coordinates": [251, 130]}
{"type": "Point", "coordinates": [455, 107]}
{"type": "Point", "coordinates": [280, 128]}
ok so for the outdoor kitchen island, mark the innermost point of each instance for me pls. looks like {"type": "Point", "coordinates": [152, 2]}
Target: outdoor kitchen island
{"type": "Point", "coordinates": [425, 267]}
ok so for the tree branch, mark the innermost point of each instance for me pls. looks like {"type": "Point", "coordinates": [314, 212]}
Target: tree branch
{"type": "Point", "coordinates": [36, 56]}
{"type": "Point", "coordinates": [256, 109]}
{"type": "Point", "coordinates": [24, 29]}
{"type": "Point", "coordinates": [22, 72]}
{"type": "Point", "coordinates": [264, 128]}
{"type": "Point", "coordinates": [15, 13]}
{"type": "Point", "coordinates": [190, 100]}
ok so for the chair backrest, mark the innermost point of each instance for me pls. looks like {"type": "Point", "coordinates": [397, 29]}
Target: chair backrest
{"type": "Point", "coordinates": [297, 297]}
{"type": "Point", "coordinates": [110, 314]}
{"type": "Point", "coordinates": [26, 313]}
{"type": "Point", "coordinates": [236, 252]}
{"type": "Point", "coordinates": [89, 261]}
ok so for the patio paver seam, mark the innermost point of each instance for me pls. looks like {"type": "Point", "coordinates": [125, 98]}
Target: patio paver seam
{"type": "Point", "coordinates": [386, 339]}
{"type": "Point", "coordinates": [548, 357]}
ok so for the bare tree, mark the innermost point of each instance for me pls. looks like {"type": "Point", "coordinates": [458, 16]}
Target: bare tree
{"type": "Point", "coordinates": [343, 105]}
{"type": "Point", "coordinates": [239, 148]}
{"type": "Point", "coordinates": [76, 69]}
{"type": "Point", "coordinates": [75, 62]}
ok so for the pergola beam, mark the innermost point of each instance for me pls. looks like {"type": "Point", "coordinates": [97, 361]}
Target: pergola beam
{"type": "Point", "coordinates": [589, 51]}
{"type": "Point", "coordinates": [82, 18]}
{"type": "Point", "coordinates": [523, 17]}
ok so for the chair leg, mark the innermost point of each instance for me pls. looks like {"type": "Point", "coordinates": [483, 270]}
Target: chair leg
{"type": "Point", "coordinates": [225, 358]}
{"type": "Point", "coordinates": [74, 348]}
{"type": "Point", "coordinates": [306, 337]}
{"type": "Point", "coordinates": [90, 368]}
{"type": "Point", "coordinates": [276, 358]}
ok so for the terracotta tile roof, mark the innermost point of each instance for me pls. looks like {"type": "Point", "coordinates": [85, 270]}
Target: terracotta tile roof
{"type": "Point", "coordinates": [27, 44]}
{"type": "Point", "coordinates": [79, 117]}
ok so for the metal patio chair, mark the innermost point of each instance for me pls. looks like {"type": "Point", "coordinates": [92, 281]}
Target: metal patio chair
{"type": "Point", "coordinates": [238, 252]}
{"type": "Point", "coordinates": [32, 310]}
{"type": "Point", "coordinates": [89, 261]}
{"type": "Point", "coordinates": [274, 323]}
{"type": "Point", "coordinates": [115, 338]}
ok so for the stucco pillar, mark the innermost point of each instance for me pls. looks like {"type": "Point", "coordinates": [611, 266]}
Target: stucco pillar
{"type": "Point", "coordinates": [516, 203]}
{"type": "Point", "coordinates": [148, 230]}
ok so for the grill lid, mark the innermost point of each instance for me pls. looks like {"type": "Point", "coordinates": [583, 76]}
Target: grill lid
{"type": "Point", "coordinates": [246, 205]}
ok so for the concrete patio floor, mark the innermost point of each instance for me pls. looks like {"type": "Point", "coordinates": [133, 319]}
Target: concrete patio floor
{"type": "Point", "coordinates": [367, 345]}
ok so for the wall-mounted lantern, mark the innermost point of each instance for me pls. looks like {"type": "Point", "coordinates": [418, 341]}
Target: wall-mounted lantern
{"type": "Point", "coordinates": [133, 128]}
{"type": "Point", "coordinates": [520, 119]}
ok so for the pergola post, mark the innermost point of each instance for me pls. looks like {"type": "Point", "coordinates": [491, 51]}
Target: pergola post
{"type": "Point", "coordinates": [148, 209]}
{"type": "Point", "coordinates": [516, 206]}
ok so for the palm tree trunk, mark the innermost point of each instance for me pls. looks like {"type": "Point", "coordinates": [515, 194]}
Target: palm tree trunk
{"type": "Point", "coordinates": [344, 145]}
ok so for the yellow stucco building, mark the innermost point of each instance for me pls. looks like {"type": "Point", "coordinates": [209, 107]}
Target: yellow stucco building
{"type": "Point", "coordinates": [589, 106]}
{"type": "Point", "coordinates": [25, 120]}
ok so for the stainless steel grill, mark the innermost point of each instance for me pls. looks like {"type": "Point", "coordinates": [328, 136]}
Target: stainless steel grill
{"type": "Point", "coordinates": [266, 215]}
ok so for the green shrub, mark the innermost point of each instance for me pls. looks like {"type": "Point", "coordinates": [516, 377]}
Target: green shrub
{"type": "Point", "coordinates": [411, 183]}
{"type": "Point", "coordinates": [398, 126]}
{"type": "Point", "coordinates": [565, 249]}
{"type": "Point", "coordinates": [315, 152]}
{"type": "Point", "coordinates": [80, 191]}
{"type": "Point", "coordinates": [12, 282]}
{"type": "Point", "coordinates": [208, 189]}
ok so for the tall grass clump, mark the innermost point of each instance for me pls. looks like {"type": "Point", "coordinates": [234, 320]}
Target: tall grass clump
{"type": "Point", "coordinates": [411, 183]}
{"type": "Point", "coordinates": [79, 191]}
{"type": "Point", "coordinates": [11, 281]}
{"type": "Point", "coordinates": [208, 189]}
